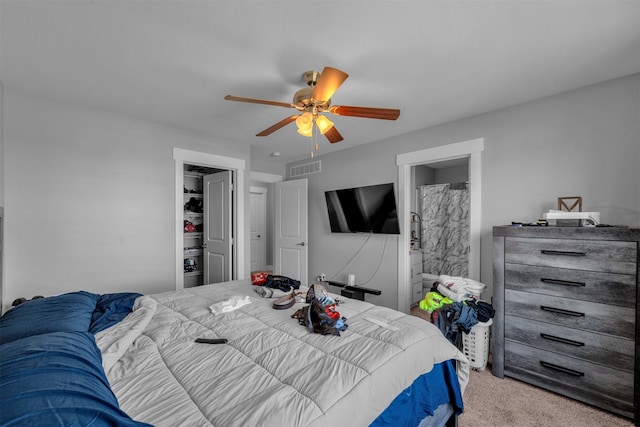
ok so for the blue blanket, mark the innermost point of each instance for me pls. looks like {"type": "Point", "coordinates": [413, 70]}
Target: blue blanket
{"type": "Point", "coordinates": [421, 398]}
{"type": "Point", "coordinates": [50, 366]}
{"type": "Point", "coordinates": [57, 379]}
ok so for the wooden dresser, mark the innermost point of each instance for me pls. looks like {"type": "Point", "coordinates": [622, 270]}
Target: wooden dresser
{"type": "Point", "coordinates": [566, 318]}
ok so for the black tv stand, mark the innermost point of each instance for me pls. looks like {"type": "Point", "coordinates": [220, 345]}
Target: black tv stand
{"type": "Point", "coordinates": [355, 292]}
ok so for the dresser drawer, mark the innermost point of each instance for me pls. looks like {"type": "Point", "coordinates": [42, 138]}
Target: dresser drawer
{"type": "Point", "coordinates": [572, 313]}
{"type": "Point", "coordinates": [606, 256]}
{"type": "Point", "coordinates": [416, 273]}
{"type": "Point", "coordinates": [602, 349]}
{"type": "Point", "coordinates": [416, 292]}
{"type": "Point", "coordinates": [604, 288]}
{"type": "Point", "coordinates": [569, 376]}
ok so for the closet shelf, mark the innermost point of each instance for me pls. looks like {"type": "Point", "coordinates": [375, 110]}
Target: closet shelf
{"type": "Point", "coordinates": [193, 273]}
{"type": "Point", "coordinates": [192, 252]}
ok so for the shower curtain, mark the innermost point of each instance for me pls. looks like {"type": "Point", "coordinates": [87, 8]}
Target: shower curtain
{"type": "Point", "coordinates": [445, 228]}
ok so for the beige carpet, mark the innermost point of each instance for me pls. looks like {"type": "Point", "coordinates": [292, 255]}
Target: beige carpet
{"type": "Point", "coordinates": [490, 401]}
{"type": "Point", "coordinates": [493, 402]}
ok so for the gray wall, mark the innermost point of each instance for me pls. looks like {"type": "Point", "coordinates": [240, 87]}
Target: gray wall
{"type": "Point", "coordinates": [90, 200]}
{"type": "Point", "coordinates": [89, 197]}
{"type": "Point", "coordinates": [584, 142]}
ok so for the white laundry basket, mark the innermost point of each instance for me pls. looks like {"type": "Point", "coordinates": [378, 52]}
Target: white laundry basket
{"type": "Point", "coordinates": [475, 345]}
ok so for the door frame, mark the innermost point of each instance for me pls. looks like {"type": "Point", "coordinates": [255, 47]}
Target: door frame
{"type": "Point", "coordinates": [301, 186]}
{"type": "Point", "coordinates": [263, 192]}
{"type": "Point", "coordinates": [269, 179]}
{"type": "Point", "coordinates": [218, 244]}
{"type": "Point", "coordinates": [471, 149]}
{"type": "Point", "coordinates": [237, 167]}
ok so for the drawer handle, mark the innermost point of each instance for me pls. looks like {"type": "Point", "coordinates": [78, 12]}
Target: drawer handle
{"type": "Point", "coordinates": [562, 369]}
{"type": "Point", "coordinates": [561, 311]}
{"type": "Point", "coordinates": [565, 253]}
{"type": "Point", "coordinates": [562, 340]}
{"type": "Point", "coordinates": [562, 282]}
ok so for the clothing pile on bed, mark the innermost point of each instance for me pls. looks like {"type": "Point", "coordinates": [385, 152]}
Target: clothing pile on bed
{"type": "Point", "coordinates": [320, 316]}
{"type": "Point", "coordinates": [455, 306]}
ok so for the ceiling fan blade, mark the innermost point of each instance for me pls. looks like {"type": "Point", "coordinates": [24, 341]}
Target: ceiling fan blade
{"type": "Point", "coordinates": [280, 124]}
{"type": "Point", "coordinates": [328, 83]}
{"type": "Point", "coordinates": [258, 101]}
{"type": "Point", "coordinates": [366, 112]}
{"type": "Point", "coordinates": [333, 135]}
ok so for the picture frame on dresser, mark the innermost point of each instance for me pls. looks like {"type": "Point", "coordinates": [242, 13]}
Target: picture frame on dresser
{"type": "Point", "coordinates": [567, 318]}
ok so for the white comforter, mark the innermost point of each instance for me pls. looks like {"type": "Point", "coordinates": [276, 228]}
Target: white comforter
{"type": "Point", "coordinates": [272, 371]}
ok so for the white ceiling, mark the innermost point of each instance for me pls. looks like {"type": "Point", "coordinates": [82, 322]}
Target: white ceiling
{"type": "Point", "coordinates": [173, 62]}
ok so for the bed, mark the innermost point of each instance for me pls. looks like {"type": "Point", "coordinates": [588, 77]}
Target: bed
{"type": "Point", "coordinates": [386, 368]}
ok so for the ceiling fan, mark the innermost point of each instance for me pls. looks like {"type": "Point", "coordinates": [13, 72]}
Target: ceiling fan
{"type": "Point", "coordinates": [316, 99]}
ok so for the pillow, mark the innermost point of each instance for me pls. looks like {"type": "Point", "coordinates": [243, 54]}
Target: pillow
{"type": "Point", "coordinates": [57, 379]}
{"type": "Point", "coordinates": [111, 309]}
{"type": "Point", "coordinates": [62, 313]}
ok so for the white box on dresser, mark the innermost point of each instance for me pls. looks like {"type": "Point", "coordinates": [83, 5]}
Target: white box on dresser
{"type": "Point", "coordinates": [566, 318]}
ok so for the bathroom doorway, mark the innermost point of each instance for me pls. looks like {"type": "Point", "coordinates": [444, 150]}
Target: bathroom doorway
{"type": "Point", "coordinates": [442, 209]}
{"type": "Point", "coordinates": [470, 150]}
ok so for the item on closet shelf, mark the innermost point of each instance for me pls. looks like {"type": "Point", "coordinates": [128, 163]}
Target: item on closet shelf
{"type": "Point", "coordinates": [189, 227]}
{"type": "Point", "coordinates": [190, 265]}
{"type": "Point", "coordinates": [193, 205]}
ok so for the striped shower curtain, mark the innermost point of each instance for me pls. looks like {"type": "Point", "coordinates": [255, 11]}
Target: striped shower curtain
{"type": "Point", "coordinates": [445, 228]}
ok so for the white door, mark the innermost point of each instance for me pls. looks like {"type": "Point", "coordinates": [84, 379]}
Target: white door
{"type": "Point", "coordinates": [291, 245]}
{"type": "Point", "coordinates": [258, 228]}
{"type": "Point", "coordinates": [217, 226]}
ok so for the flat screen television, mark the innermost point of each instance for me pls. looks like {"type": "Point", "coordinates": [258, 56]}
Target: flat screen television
{"type": "Point", "coordinates": [368, 209]}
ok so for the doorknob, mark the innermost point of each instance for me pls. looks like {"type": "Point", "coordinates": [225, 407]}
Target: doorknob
{"type": "Point", "coordinates": [300, 244]}
{"type": "Point", "coordinates": [204, 245]}
{"type": "Point", "coordinates": [258, 236]}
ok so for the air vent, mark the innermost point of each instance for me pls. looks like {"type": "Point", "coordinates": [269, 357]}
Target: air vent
{"type": "Point", "coordinates": [305, 169]}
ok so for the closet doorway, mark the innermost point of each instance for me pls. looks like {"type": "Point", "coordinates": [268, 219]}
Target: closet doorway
{"type": "Point", "coordinates": [235, 169]}
{"type": "Point", "coordinates": [470, 150]}
{"type": "Point", "coordinates": [208, 225]}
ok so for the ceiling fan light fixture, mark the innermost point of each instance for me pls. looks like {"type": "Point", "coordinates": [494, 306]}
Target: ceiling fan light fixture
{"type": "Point", "coordinates": [305, 121]}
{"type": "Point", "coordinates": [306, 132]}
{"type": "Point", "coordinates": [324, 124]}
